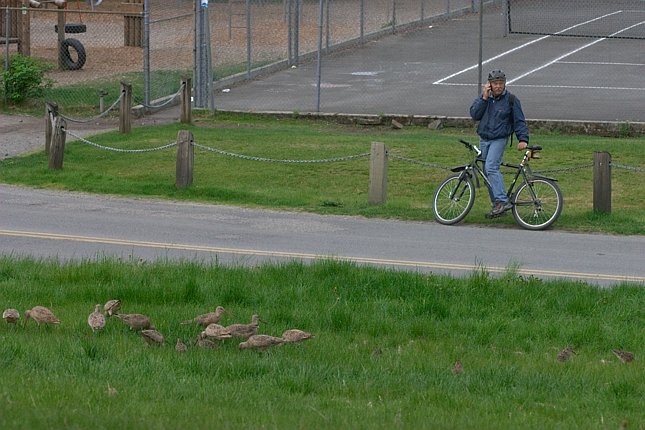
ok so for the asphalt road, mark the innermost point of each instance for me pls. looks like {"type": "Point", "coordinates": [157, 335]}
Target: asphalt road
{"type": "Point", "coordinates": [45, 224]}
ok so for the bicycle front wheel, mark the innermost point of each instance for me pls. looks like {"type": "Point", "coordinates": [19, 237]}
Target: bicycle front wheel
{"type": "Point", "coordinates": [537, 204]}
{"type": "Point", "coordinates": [453, 199]}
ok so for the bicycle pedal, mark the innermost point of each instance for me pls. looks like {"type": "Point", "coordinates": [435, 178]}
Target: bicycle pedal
{"type": "Point", "coordinates": [491, 216]}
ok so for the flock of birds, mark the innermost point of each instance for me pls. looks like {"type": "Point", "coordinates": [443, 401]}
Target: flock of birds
{"type": "Point", "coordinates": [207, 338]}
{"type": "Point", "coordinates": [212, 330]}
{"type": "Point", "coordinates": [624, 356]}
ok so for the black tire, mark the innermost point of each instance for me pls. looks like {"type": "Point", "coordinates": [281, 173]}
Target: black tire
{"type": "Point", "coordinates": [73, 61]}
{"type": "Point", "coordinates": [72, 28]}
{"type": "Point", "coordinates": [541, 212]}
{"type": "Point", "coordinates": [453, 199]}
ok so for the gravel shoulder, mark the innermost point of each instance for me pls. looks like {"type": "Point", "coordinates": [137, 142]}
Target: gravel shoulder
{"type": "Point", "coordinates": [25, 134]}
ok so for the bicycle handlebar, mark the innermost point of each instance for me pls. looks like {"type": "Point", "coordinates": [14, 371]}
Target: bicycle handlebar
{"type": "Point", "coordinates": [472, 147]}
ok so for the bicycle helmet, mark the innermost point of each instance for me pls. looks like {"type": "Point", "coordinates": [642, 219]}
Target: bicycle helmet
{"type": "Point", "coordinates": [497, 75]}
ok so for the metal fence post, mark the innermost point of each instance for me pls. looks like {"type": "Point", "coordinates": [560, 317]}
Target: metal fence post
{"type": "Point", "coordinates": [378, 174]}
{"type": "Point", "coordinates": [602, 182]}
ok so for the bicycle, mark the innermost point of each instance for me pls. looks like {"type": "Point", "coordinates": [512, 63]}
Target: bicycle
{"type": "Point", "coordinates": [537, 201]}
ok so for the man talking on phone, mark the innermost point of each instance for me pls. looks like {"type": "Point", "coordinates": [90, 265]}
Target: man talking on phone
{"type": "Point", "coordinates": [500, 115]}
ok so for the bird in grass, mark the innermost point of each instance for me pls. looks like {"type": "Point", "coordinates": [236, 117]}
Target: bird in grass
{"type": "Point", "coordinates": [112, 307]}
{"type": "Point", "coordinates": [261, 342]}
{"type": "Point", "coordinates": [458, 368]}
{"type": "Point", "coordinates": [204, 342]}
{"type": "Point", "coordinates": [41, 315]}
{"type": "Point", "coordinates": [216, 331]}
{"type": "Point", "coordinates": [624, 356]}
{"type": "Point", "coordinates": [136, 322]}
{"type": "Point", "coordinates": [566, 354]}
{"type": "Point", "coordinates": [152, 337]}
{"type": "Point", "coordinates": [245, 330]}
{"type": "Point", "coordinates": [11, 316]}
{"type": "Point", "coordinates": [208, 318]}
{"type": "Point", "coordinates": [295, 335]}
{"type": "Point", "coordinates": [181, 346]}
{"type": "Point", "coordinates": [96, 319]}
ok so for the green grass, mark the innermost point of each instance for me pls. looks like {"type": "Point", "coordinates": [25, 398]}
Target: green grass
{"type": "Point", "coordinates": [382, 357]}
{"type": "Point", "coordinates": [337, 187]}
{"type": "Point", "coordinates": [82, 99]}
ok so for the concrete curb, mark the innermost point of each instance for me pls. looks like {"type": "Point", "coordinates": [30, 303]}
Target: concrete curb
{"type": "Point", "coordinates": [593, 128]}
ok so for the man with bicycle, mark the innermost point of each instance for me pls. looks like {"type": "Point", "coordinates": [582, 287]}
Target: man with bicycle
{"type": "Point", "coordinates": [500, 115]}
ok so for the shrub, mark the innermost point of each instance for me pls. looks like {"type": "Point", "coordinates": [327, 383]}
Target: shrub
{"type": "Point", "coordinates": [25, 79]}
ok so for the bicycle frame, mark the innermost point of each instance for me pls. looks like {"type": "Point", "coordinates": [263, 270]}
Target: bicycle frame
{"type": "Point", "coordinates": [475, 170]}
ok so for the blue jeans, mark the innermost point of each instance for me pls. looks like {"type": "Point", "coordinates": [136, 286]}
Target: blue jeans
{"type": "Point", "coordinates": [492, 152]}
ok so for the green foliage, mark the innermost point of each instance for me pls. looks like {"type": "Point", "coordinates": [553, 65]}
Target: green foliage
{"type": "Point", "coordinates": [384, 347]}
{"type": "Point", "coordinates": [25, 79]}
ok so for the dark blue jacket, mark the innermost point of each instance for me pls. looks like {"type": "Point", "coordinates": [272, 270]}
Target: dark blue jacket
{"type": "Point", "coordinates": [494, 116]}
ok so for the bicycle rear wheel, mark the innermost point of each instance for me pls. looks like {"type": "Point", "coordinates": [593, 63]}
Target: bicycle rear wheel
{"type": "Point", "coordinates": [453, 199]}
{"type": "Point", "coordinates": [537, 204]}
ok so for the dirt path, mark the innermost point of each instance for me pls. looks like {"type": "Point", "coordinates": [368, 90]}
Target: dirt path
{"type": "Point", "coordinates": [23, 134]}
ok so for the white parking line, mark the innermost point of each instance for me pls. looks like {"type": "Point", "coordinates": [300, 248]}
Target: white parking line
{"type": "Point", "coordinates": [441, 81]}
{"type": "Point", "coordinates": [572, 52]}
{"type": "Point", "coordinates": [601, 63]}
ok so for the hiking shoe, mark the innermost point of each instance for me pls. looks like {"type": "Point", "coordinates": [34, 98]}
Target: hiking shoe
{"type": "Point", "coordinates": [500, 208]}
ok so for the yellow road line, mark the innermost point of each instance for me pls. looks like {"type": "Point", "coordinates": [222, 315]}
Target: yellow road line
{"type": "Point", "coordinates": [308, 256]}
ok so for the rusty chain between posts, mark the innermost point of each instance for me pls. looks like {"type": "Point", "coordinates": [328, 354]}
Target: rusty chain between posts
{"type": "Point", "coordinates": [108, 148]}
{"type": "Point", "coordinates": [272, 160]}
{"type": "Point", "coordinates": [165, 103]}
{"type": "Point", "coordinates": [94, 118]}
{"type": "Point", "coordinates": [329, 160]}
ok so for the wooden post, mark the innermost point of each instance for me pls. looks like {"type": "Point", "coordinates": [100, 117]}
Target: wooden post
{"type": "Point", "coordinates": [602, 182]}
{"type": "Point", "coordinates": [378, 174]}
{"type": "Point", "coordinates": [185, 156]}
{"type": "Point", "coordinates": [51, 113]}
{"type": "Point", "coordinates": [186, 116]}
{"type": "Point", "coordinates": [61, 36]}
{"type": "Point", "coordinates": [125, 109]}
{"type": "Point", "coordinates": [58, 145]}
{"type": "Point", "coordinates": [24, 41]}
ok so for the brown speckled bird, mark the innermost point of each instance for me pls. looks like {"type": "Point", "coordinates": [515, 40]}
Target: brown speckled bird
{"type": "Point", "coordinates": [624, 356]}
{"type": "Point", "coordinates": [458, 368]}
{"type": "Point", "coordinates": [136, 322]}
{"type": "Point", "coordinates": [11, 316]}
{"type": "Point", "coordinates": [245, 330]}
{"type": "Point", "coordinates": [295, 335]}
{"type": "Point", "coordinates": [206, 319]}
{"type": "Point", "coordinates": [216, 331]}
{"type": "Point", "coordinates": [41, 315]}
{"type": "Point", "coordinates": [96, 319]}
{"type": "Point", "coordinates": [205, 343]}
{"type": "Point", "coordinates": [261, 342]}
{"type": "Point", "coordinates": [181, 346]}
{"type": "Point", "coordinates": [112, 307]}
{"type": "Point", "coordinates": [152, 337]}
{"type": "Point", "coordinates": [566, 353]}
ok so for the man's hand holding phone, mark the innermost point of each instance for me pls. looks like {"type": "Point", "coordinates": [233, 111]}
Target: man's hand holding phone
{"type": "Point", "coordinates": [487, 90]}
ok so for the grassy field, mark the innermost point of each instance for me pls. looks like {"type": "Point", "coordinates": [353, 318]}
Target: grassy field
{"type": "Point", "coordinates": [382, 357]}
{"type": "Point", "coordinates": [386, 342]}
{"type": "Point", "coordinates": [419, 160]}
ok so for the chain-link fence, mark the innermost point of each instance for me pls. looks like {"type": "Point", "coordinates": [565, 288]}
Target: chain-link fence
{"type": "Point", "coordinates": [621, 19]}
{"type": "Point", "coordinates": [151, 44]}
